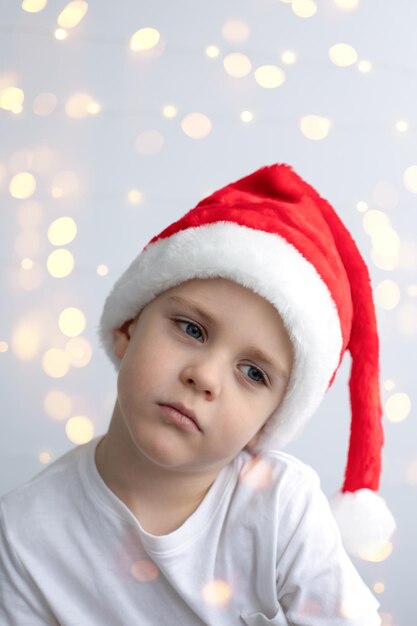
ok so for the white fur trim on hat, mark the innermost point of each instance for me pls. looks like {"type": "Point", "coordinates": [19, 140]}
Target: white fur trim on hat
{"type": "Point", "coordinates": [268, 265]}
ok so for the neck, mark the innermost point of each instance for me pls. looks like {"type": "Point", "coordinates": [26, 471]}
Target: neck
{"type": "Point", "coordinates": [160, 498]}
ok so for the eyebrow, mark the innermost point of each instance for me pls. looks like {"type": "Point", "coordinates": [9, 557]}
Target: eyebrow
{"type": "Point", "coordinates": [254, 352]}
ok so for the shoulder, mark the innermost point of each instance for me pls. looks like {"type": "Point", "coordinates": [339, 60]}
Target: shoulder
{"type": "Point", "coordinates": [277, 483]}
{"type": "Point", "coordinates": [278, 471]}
{"type": "Point", "coordinates": [46, 493]}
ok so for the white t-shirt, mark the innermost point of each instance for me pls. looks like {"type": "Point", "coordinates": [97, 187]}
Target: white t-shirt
{"type": "Point", "coordinates": [261, 548]}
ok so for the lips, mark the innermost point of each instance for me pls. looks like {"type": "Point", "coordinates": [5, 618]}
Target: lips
{"type": "Point", "coordinates": [182, 409]}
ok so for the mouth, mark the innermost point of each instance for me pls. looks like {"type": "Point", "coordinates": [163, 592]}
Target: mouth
{"type": "Point", "coordinates": [182, 416]}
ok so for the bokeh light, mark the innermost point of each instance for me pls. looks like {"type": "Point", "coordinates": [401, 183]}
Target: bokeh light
{"type": "Point", "coordinates": [196, 125]}
{"type": "Point", "coordinates": [60, 34]}
{"type": "Point", "coordinates": [60, 263]}
{"type": "Point", "coordinates": [216, 592]}
{"type": "Point", "coordinates": [364, 66]}
{"type": "Point", "coordinates": [401, 126]}
{"type": "Point", "coordinates": [11, 99]}
{"type": "Point", "coordinates": [235, 31]}
{"type": "Point", "coordinates": [81, 105]}
{"type": "Point", "coordinates": [79, 351]}
{"type": "Point", "coordinates": [410, 178]}
{"type": "Point", "coordinates": [385, 261]}
{"type": "Point", "coordinates": [169, 111]}
{"type": "Point", "coordinates": [26, 264]}
{"type": "Point", "coordinates": [22, 185]}
{"type": "Point", "coordinates": [72, 14]}
{"type": "Point", "coordinates": [71, 322]}
{"type": "Point", "coordinates": [397, 407]}
{"type": "Point", "coordinates": [377, 553]}
{"type": "Point", "coordinates": [246, 116]}
{"type": "Point", "coordinates": [257, 474]}
{"type": "Point", "coordinates": [315, 127]}
{"type": "Point", "coordinates": [288, 57]}
{"type": "Point", "coordinates": [26, 341]}
{"type": "Point", "coordinates": [304, 8]}
{"type": "Point", "coordinates": [33, 6]}
{"type": "Point", "coordinates": [44, 104]}
{"type": "Point", "coordinates": [385, 240]}
{"type": "Point", "coordinates": [44, 457]}
{"type": "Point", "coordinates": [212, 51]}
{"type": "Point", "coordinates": [144, 571]}
{"type": "Point", "coordinates": [79, 429]}
{"type": "Point", "coordinates": [144, 39]}
{"type": "Point", "coordinates": [269, 76]}
{"type": "Point", "coordinates": [389, 385]}
{"type": "Point", "coordinates": [387, 294]}
{"type": "Point", "coordinates": [102, 270]}
{"type": "Point", "coordinates": [362, 206]}
{"type": "Point", "coordinates": [55, 363]}
{"type": "Point", "coordinates": [4, 346]}
{"type": "Point", "coordinates": [62, 231]}
{"type": "Point", "coordinates": [149, 142]}
{"type": "Point", "coordinates": [379, 587]}
{"type": "Point", "coordinates": [412, 291]}
{"type": "Point", "coordinates": [237, 65]}
{"type": "Point", "coordinates": [134, 196]}
{"type": "Point", "coordinates": [343, 55]}
{"type": "Point", "coordinates": [57, 404]}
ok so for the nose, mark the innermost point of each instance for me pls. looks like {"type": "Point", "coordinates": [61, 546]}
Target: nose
{"type": "Point", "coordinates": [204, 375]}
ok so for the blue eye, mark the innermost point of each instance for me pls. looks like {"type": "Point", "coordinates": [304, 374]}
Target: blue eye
{"type": "Point", "coordinates": [190, 329]}
{"type": "Point", "coordinates": [257, 375]}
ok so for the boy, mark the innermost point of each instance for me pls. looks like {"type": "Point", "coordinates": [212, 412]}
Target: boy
{"type": "Point", "coordinates": [227, 330]}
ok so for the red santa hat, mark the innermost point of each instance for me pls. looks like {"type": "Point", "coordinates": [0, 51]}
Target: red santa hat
{"type": "Point", "coordinates": [274, 234]}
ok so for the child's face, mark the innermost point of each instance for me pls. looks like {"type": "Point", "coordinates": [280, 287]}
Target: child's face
{"type": "Point", "coordinates": [206, 360]}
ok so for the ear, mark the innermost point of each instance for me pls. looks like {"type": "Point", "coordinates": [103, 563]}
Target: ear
{"type": "Point", "coordinates": [121, 338]}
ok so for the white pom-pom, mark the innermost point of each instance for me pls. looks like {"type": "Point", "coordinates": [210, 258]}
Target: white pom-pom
{"type": "Point", "coordinates": [364, 520]}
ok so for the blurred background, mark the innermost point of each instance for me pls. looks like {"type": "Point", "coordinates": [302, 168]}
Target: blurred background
{"type": "Point", "coordinates": [117, 117]}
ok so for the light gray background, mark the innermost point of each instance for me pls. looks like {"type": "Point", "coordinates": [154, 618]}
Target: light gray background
{"type": "Point", "coordinates": [362, 150]}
